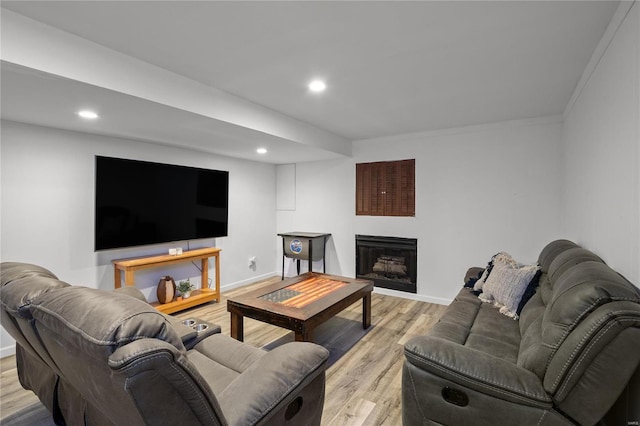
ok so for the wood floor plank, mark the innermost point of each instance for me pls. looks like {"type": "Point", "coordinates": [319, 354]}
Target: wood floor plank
{"type": "Point", "coordinates": [354, 413]}
{"type": "Point", "coordinates": [364, 376]}
{"type": "Point", "coordinates": [13, 397]}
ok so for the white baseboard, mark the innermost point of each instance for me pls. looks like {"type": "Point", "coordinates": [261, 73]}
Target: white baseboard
{"type": "Point", "coordinates": [411, 296]}
{"type": "Point", "coordinates": [8, 351]}
{"type": "Point", "coordinates": [251, 280]}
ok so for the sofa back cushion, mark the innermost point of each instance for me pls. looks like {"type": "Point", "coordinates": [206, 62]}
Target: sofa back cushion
{"type": "Point", "coordinates": [592, 326]}
{"type": "Point", "coordinates": [11, 271]}
{"type": "Point", "coordinates": [569, 258]}
{"type": "Point", "coordinates": [581, 328]}
{"type": "Point", "coordinates": [532, 355]}
{"type": "Point", "coordinates": [551, 251]}
{"type": "Point", "coordinates": [577, 293]}
{"type": "Point", "coordinates": [558, 257]}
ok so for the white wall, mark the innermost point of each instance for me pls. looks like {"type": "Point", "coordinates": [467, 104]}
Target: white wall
{"type": "Point", "coordinates": [601, 149]}
{"type": "Point", "coordinates": [48, 209]}
{"type": "Point", "coordinates": [479, 190]}
{"type": "Point", "coordinates": [601, 162]}
{"type": "Point", "coordinates": [324, 203]}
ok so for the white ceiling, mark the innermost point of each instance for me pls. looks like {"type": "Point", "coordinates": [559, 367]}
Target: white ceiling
{"type": "Point", "coordinates": [391, 67]}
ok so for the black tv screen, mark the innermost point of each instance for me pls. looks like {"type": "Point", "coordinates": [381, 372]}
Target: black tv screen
{"type": "Point", "coordinates": [140, 203]}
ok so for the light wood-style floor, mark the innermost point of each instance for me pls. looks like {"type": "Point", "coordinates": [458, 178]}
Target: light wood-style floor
{"type": "Point", "coordinates": [365, 366]}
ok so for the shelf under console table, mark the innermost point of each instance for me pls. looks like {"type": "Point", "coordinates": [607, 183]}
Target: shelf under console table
{"type": "Point", "coordinates": [198, 297]}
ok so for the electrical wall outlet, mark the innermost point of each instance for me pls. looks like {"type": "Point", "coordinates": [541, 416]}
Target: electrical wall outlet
{"type": "Point", "coordinates": [252, 262]}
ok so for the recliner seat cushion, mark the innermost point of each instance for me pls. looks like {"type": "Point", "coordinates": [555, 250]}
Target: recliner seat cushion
{"type": "Point", "coordinates": [221, 359]}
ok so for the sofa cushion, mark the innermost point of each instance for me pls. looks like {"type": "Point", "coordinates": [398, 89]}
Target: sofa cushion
{"type": "Point", "coordinates": [579, 291]}
{"type": "Point", "coordinates": [532, 355]}
{"type": "Point", "coordinates": [544, 288]}
{"type": "Point", "coordinates": [558, 308]}
{"type": "Point", "coordinates": [216, 375]}
{"type": "Point", "coordinates": [476, 325]}
{"type": "Point", "coordinates": [551, 251]}
{"type": "Point", "coordinates": [494, 334]}
{"type": "Point", "coordinates": [229, 352]}
{"type": "Point", "coordinates": [26, 291]}
{"type": "Point", "coordinates": [16, 270]}
{"type": "Point", "coordinates": [567, 259]}
{"type": "Point", "coordinates": [19, 289]}
{"type": "Point", "coordinates": [220, 359]}
{"type": "Point", "coordinates": [271, 383]}
{"type": "Point", "coordinates": [533, 309]}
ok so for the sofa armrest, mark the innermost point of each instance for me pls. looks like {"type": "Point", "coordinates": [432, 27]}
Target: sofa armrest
{"type": "Point", "coordinates": [476, 370]}
{"type": "Point", "coordinates": [275, 381]}
{"type": "Point", "coordinates": [165, 386]}
{"type": "Point", "coordinates": [189, 336]}
{"type": "Point", "coordinates": [473, 274]}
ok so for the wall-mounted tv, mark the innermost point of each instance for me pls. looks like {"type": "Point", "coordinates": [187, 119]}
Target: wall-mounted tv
{"type": "Point", "coordinates": [141, 203]}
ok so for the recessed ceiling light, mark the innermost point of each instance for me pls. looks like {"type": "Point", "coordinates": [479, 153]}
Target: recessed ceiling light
{"type": "Point", "coordinates": [88, 114]}
{"type": "Point", "coordinates": [261, 150]}
{"type": "Point", "coordinates": [317, 86]}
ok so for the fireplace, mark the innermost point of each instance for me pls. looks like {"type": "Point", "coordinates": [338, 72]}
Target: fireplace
{"type": "Point", "coordinates": [390, 262]}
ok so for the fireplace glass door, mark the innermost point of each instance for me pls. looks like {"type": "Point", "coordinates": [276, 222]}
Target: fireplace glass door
{"type": "Point", "coordinates": [390, 262]}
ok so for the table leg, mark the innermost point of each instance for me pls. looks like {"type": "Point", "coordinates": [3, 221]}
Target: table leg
{"type": "Point", "coordinates": [217, 255]}
{"type": "Point", "coordinates": [283, 256]}
{"type": "Point", "coordinates": [117, 277]}
{"type": "Point", "coordinates": [304, 335]}
{"type": "Point", "coordinates": [366, 311]}
{"type": "Point", "coordinates": [237, 326]}
{"type": "Point", "coordinates": [129, 278]}
{"type": "Point", "coordinates": [204, 273]}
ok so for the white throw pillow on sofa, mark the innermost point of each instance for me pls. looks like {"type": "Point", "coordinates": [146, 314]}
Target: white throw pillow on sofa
{"type": "Point", "coordinates": [502, 258]}
{"type": "Point", "coordinates": [506, 284]}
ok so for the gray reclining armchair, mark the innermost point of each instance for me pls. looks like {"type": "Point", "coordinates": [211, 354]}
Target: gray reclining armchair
{"type": "Point", "coordinates": [97, 357]}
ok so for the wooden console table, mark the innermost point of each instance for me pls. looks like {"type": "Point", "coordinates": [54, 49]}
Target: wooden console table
{"type": "Point", "coordinates": [198, 297]}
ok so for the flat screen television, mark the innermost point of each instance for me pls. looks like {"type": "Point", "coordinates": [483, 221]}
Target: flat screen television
{"type": "Point", "coordinates": [140, 203]}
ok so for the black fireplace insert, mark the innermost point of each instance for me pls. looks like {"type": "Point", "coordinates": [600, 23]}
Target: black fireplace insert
{"type": "Point", "coordinates": [390, 262]}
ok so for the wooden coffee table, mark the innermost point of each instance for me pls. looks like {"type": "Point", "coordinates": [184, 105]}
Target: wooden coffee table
{"type": "Point", "coordinates": [300, 303]}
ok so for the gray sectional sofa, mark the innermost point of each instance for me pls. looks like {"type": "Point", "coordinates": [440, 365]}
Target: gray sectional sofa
{"type": "Point", "coordinates": [564, 362]}
{"type": "Point", "coordinates": [106, 358]}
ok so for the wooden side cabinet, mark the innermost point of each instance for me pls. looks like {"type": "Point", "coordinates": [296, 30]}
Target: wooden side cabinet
{"type": "Point", "coordinates": [385, 188]}
{"type": "Point", "coordinates": [198, 297]}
